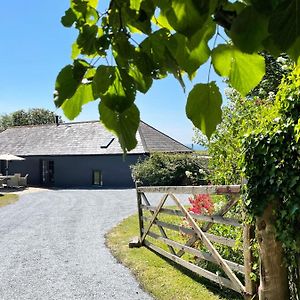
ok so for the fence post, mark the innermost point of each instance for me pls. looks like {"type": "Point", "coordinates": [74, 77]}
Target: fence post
{"type": "Point", "coordinates": [140, 211]}
{"type": "Point", "coordinates": [250, 285]}
{"type": "Point", "coordinates": [136, 241]}
{"type": "Point", "coordinates": [298, 273]}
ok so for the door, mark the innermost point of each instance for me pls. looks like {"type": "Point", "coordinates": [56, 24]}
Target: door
{"type": "Point", "coordinates": [47, 172]}
{"type": "Point", "coordinates": [97, 177]}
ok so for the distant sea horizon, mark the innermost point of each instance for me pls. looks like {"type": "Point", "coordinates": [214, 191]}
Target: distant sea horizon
{"type": "Point", "coordinates": [195, 146]}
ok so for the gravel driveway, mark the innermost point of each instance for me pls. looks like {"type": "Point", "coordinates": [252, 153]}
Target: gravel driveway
{"type": "Point", "coordinates": [52, 246]}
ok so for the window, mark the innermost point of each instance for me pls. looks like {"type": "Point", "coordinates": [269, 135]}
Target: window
{"type": "Point", "coordinates": [97, 177]}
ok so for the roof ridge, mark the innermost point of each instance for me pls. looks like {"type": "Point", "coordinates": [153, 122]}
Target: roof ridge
{"type": "Point", "coordinates": [166, 135]}
{"type": "Point", "coordinates": [53, 124]}
{"type": "Point", "coordinates": [80, 122]}
{"type": "Point", "coordinates": [30, 125]}
{"type": "Point", "coordinates": [144, 143]}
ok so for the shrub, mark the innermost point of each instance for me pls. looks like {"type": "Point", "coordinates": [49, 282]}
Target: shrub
{"type": "Point", "coordinates": [203, 204]}
{"type": "Point", "coordinates": [170, 169]}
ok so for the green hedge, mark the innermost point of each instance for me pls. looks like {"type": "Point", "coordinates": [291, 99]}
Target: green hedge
{"type": "Point", "coordinates": [171, 169]}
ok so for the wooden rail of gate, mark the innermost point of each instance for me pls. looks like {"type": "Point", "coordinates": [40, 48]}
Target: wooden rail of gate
{"type": "Point", "coordinates": [177, 250]}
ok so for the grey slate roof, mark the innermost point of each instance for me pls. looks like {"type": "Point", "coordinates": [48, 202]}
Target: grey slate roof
{"type": "Point", "coordinates": [81, 138]}
{"type": "Point", "coordinates": [156, 141]}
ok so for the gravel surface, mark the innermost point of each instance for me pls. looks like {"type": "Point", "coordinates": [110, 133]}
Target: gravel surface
{"type": "Point", "coordinates": [52, 246]}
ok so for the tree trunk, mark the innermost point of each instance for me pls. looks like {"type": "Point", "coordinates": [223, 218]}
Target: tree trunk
{"type": "Point", "coordinates": [273, 271]}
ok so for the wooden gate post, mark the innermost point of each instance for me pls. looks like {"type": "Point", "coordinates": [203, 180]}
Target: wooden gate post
{"type": "Point", "coordinates": [298, 273]}
{"type": "Point", "coordinates": [136, 242]}
{"type": "Point", "coordinates": [140, 211]}
{"type": "Point", "coordinates": [250, 285]}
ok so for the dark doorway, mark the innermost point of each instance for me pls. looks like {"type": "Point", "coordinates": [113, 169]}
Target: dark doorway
{"type": "Point", "coordinates": [47, 172]}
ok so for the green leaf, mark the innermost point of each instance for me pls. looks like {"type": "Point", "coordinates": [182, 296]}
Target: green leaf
{"type": "Point", "coordinates": [139, 20]}
{"type": "Point", "coordinates": [89, 77]}
{"type": "Point", "coordinates": [142, 81]}
{"type": "Point", "coordinates": [75, 51]}
{"type": "Point", "coordinates": [135, 4]}
{"type": "Point", "coordinates": [93, 3]}
{"type": "Point", "coordinates": [154, 45]}
{"type": "Point", "coordinates": [102, 44]}
{"type": "Point", "coordinates": [248, 30]}
{"type": "Point", "coordinates": [284, 24]}
{"type": "Point", "coordinates": [103, 79]}
{"type": "Point", "coordinates": [65, 85]}
{"type": "Point", "coordinates": [294, 51]}
{"type": "Point", "coordinates": [271, 47]}
{"type": "Point", "coordinates": [158, 49]}
{"type": "Point", "coordinates": [191, 54]}
{"type": "Point", "coordinates": [198, 47]}
{"type": "Point", "coordinates": [265, 6]}
{"type": "Point", "coordinates": [123, 50]}
{"type": "Point", "coordinates": [162, 21]}
{"type": "Point", "coordinates": [87, 39]}
{"type": "Point", "coordinates": [244, 71]}
{"type": "Point", "coordinates": [92, 16]}
{"type": "Point", "coordinates": [186, 17]}
{"type": "Point", "coordinates": [203, 107]}
{"type": "Point", "coordinates": [178, 47]}
{"type": "Point", "coordinates": [73, 106]}
{"type": "Point", "coordinates": [69, 18]}
{"type": "Point", "coordinates": [144, 62]}
{"type": "Point", "coordinates": [79, 69]}
{"type": "Point", "coordinates": [295, 209]}
{"type": "Point", "coordinates": [121, 93]}
{"type": "Point", "coordinates": [158, 53]}
{"type": "Point", "coordinates": [124, 125]}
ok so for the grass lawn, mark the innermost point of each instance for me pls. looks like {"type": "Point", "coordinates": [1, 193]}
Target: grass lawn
{"type": "Point", "coordinates": [163, 279]}
{"type": "Point", "coordinates": [6, 199]}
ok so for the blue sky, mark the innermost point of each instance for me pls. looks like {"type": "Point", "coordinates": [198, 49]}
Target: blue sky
{"type": "Point", "coordinates": [35, 46]}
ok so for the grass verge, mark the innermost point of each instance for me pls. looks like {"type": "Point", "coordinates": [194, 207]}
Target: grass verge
{"type": "Point", "coordinates": [6, 199]}
{"type": "Point", "coordinates": [158, 276]}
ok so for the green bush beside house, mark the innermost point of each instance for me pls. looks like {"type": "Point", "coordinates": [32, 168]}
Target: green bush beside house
{"type": "Point", "coordinates": [171, 169]}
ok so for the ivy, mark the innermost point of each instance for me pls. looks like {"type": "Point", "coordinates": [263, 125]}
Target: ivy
{"type": "Point", "coordinates": [134, 42]}
{"type": "Point", "coordinates": [272, 165]}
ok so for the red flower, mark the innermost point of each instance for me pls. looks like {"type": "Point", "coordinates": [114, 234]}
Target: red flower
{"type": "Point", "coordinates": [201, 204]}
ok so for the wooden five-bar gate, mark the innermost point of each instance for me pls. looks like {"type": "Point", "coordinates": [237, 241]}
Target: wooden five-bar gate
{"type": "Point", "coordinates": [233, 275]}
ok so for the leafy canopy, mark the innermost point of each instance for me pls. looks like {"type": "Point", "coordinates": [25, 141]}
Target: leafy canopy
{"type": "Point", "coordinates": [240, 116]}
{"type": "Point", "coordinates": [120, 51]}
{"type": "Point", "coordinates": [33, 116]}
